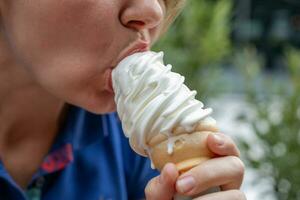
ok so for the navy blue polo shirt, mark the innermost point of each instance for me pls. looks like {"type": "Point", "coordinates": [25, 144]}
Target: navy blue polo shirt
{"type": "Point", "coordinates": [90, 160]}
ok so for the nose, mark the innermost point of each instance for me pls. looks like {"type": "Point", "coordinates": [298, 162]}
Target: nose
{"type": "Point", "coordinates": [142, 14]}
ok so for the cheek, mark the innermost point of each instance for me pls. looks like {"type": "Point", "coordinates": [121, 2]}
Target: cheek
{"type": "Point", "coordinates": [50, 26]}
{"type": "Point", "coordinates": [66, 45]}
{"type": "Point", "coordinates": [78, 81]}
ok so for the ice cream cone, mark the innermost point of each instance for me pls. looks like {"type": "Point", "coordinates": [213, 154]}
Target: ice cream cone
{"type": "Point", "coordinates": [185, 150]}
{"type": "Point", "coordinates": [160, 114]}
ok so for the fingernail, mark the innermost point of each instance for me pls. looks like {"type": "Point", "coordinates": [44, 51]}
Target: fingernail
{"type": "Point", "coordinates": [218, 139]}
{"type": "Point", "coordinates": [186, 184]}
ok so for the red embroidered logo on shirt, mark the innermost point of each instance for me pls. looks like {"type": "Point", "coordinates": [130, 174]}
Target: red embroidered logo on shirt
{"type": "Point", "coordinates": [58, 159]}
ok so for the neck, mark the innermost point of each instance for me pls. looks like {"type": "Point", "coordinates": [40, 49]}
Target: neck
{"type": "Point", "coordinates": [29, 118]}
{"type": "Point", "coordinates": [27, 113]}
{"type": "Point", "coordinates": [25, 108]}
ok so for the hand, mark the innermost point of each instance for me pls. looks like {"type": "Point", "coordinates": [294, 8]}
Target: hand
{"type": "Point", "coordinates": [225, 172]}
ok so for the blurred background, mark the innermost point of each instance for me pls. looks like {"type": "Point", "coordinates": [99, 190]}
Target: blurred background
{"type": "Point", "coordinates": [243, 58]}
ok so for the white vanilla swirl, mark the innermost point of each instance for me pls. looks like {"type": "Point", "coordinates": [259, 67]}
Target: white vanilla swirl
{"type": "Point", "coordinates": [151, 99]}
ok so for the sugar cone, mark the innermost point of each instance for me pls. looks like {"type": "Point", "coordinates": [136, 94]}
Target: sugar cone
{"type": "Point", "coordinates": [185, 150]}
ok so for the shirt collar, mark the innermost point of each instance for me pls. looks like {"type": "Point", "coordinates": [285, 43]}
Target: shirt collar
{"type": "Point", "coordinates": [81, 128]}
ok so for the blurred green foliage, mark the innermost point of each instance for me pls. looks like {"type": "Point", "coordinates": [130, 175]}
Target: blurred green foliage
{"type": "Point", "coordinates": [198, 42]}
{"type": "Point", "coordinates": [199, 46]}
{"type": "Point", "coordinates": [275, 103]}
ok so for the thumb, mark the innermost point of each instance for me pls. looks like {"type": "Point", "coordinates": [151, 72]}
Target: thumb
{"type": "Point", "coordinates": [162, 187]}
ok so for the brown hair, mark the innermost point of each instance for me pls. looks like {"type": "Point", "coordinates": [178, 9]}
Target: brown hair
{"type": "Point", "coordinates": [174, 7]}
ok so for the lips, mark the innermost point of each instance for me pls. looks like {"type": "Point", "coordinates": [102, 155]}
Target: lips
{"type": "Point", "coordinates": [135, 47]}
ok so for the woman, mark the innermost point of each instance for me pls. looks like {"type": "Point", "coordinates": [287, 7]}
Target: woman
{"type": "Point", "coordinates": [56, 53]}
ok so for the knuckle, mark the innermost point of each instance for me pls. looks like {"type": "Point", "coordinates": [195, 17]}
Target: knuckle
{"type": "Point", "coordinates": [238, 195]}
{"type": "Point", "coordinates": [238, 165]}
{"type": "Point", "coordinates": [209, 174]}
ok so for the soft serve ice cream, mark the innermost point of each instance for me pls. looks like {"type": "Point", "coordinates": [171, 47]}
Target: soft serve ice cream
{"type": "Point", "coordinates": [151, 100]}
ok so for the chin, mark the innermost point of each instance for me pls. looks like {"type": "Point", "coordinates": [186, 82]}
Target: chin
{"type": "Point", "coordinates": [100, 108]}
{"type": "Point", "coordinates": [97, 103]}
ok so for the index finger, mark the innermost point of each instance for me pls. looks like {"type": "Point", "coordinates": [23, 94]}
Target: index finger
{"type": "Point", "coordinates": [226, 172]}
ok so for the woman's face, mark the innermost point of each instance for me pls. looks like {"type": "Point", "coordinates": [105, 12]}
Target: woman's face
{"type": "Point", "coordinates": [70, 46]}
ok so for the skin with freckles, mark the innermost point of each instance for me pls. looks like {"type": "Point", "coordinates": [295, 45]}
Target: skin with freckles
{"type": "Point", "coordinates": [54, 52]}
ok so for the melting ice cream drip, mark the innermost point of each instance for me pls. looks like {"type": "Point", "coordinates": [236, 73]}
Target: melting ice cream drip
{"type": "Point", "coordinates": [170, 145]}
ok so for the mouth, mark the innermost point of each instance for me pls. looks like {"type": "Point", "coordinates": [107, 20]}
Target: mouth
{"type": "Point", "coordinates": [135, 47]}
